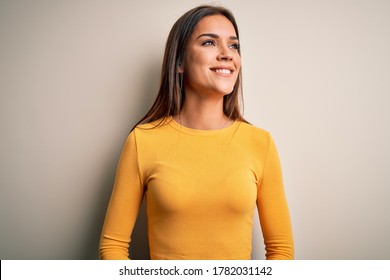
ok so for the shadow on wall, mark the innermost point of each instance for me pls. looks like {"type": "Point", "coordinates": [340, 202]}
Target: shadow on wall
{"type": "Point", "coordinates": [92, 237]}
{"type": "Point", "coordinates": [139, 247]}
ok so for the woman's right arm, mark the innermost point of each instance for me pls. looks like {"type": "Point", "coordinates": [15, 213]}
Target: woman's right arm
{"type": "Point", "coordinates": [124, 204]}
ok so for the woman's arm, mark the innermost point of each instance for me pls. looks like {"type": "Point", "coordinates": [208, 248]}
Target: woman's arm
{"type": "Point", "coordinates": [124, 204]}
{"type": "Point", "coordinates": [273, 210]}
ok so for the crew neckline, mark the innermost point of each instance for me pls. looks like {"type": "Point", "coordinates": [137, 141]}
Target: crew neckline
{"type": "Point", "coordinates": [172, 122]}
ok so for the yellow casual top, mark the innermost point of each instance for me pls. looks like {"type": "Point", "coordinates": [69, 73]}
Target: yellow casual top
{"type": "Point", "coordinates": [201, 189]}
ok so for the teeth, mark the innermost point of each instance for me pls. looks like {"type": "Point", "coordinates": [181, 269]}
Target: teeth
{"type": "Point", "coordinates": [223, 71]}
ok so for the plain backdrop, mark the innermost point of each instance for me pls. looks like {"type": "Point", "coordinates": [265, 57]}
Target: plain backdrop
{"type": "Point", "coordinates": [75, 76]}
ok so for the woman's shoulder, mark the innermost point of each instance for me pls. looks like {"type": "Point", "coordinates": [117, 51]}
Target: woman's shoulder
{"type": "Point", "coordinates": [253, 130]}
{"type": "Point", "coordinates": [255, 137]}
{"type": "Point", "coordinates": [154, 124]}
{"type": "Point", "coordinates": [153, 127]}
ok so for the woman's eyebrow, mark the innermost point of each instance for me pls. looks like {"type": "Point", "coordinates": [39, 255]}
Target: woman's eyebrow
{"type": "Point", "coordinates": [215, 36]}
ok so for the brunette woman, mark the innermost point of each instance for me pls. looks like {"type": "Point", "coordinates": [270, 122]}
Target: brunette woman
{"type": "Point", "coordinates": [200, 166]}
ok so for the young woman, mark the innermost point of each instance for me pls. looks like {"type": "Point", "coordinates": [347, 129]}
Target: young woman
{"type": "Point", "coordinates": [200, 166]}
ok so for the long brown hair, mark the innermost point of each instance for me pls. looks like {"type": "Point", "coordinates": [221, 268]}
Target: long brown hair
{"type": "Point", "coordinates": [171, 95]}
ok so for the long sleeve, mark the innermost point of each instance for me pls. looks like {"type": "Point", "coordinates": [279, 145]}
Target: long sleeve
{"type": "Point", "coordinates": [124, 204]}
{"type": "Point", "coordinates": [273, 210]}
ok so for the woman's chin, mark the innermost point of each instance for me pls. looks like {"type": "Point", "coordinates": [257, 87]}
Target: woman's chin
{"type": "Point", "coordinates": [226, 91]}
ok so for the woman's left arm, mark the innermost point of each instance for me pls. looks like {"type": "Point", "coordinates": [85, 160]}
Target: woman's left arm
{"type": "Point", "coordinates": [273, 209]}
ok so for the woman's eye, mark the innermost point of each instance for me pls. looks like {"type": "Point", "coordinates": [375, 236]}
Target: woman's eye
{"type": "Point", "coordinates": [235, 46]}
{"type": "Point", "coordinates": [208, 43]}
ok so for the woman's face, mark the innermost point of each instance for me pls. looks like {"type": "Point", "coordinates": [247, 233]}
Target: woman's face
{"type": "Point", "coordinates": [212, 61]}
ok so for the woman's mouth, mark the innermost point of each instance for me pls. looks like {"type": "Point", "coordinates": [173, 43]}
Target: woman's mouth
{"type": "Point", "coordinates": [222, 70]}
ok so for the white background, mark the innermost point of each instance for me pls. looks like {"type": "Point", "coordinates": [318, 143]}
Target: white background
{"type": "Point", "coordinates": [75, 76]}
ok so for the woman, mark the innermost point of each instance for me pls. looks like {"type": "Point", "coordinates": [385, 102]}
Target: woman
{"type": "Point", "coordinates": [200, 166]}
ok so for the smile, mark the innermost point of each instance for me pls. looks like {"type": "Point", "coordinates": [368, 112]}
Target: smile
{"type": "Point", "coordinates": [222, 70]}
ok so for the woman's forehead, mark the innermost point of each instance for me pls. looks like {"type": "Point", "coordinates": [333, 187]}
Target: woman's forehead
{"type": "Point", "coordinates": [214, 24]}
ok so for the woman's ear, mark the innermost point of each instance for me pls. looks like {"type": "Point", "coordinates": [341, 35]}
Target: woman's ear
{"type": "Point", "coordinates": [180, 68]}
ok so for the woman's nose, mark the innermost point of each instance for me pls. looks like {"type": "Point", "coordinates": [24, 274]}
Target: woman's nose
{"type": "Point", "coordinates": [225, 53]}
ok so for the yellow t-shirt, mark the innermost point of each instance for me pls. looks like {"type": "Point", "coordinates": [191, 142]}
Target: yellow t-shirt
{"type": "Point", "coordinates": [201, 189]}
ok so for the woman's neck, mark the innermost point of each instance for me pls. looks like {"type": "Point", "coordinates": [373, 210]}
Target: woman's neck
{"type": "Point", "coordinates": [203, 114]}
